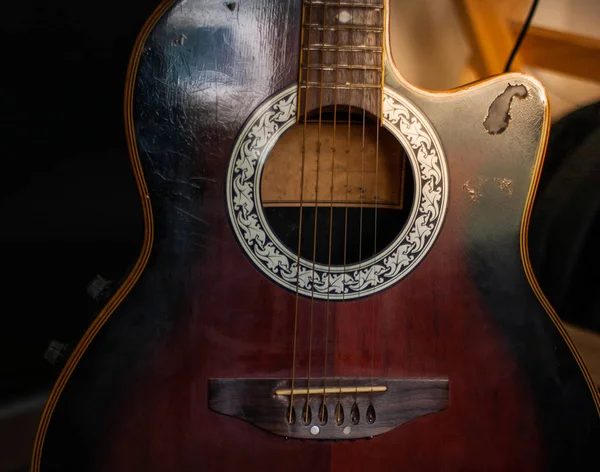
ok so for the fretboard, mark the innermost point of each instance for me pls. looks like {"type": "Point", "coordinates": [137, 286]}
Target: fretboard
{"type": "Point", "coordinates": [342, 55]}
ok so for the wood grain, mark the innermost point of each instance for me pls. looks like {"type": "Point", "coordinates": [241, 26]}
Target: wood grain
{"type": "Point", "coordinates": [366, 173]}
{"type": "Point", "coordinates": [342, 59]}
{"type": "Point", "coordinates": [135, 396]}
{"type": "Point", "coordinates": [562, 52]}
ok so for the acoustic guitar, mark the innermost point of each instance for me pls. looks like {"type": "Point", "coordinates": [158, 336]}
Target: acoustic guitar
{"type": "Point", "coordinates": [335, 271]}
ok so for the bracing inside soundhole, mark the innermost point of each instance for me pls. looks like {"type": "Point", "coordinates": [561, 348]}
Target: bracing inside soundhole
{"type": "Point", "coordinates": [354, 182]}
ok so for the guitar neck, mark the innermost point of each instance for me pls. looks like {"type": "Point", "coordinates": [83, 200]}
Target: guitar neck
{"type": "Point", "coordinates": [342, 55]}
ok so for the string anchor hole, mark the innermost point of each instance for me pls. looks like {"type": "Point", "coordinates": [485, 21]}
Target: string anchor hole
{"type": "Point", "coordinates": [290, 416]}
{"type": "Point", "coordinates": [339, 414]}
{"type": "Point", "coordinates": [306, 414]}
{"type": "Point", "coordinates": [354, 414]}
{"type": "Point", "coordinates": [323, 414]}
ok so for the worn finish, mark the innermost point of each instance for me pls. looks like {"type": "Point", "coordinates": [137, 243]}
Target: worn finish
{"type": "Point", "coordinates": [134, 396]}
{"type": "Point", "coordinates": [498, 117]}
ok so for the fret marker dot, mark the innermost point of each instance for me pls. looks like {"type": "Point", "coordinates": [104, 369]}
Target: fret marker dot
{"type": "Point", "coordinates": [344, 17]}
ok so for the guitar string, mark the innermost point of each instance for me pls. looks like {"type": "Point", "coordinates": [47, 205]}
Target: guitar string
{"type": "Point", "coordinates": [301, 207]}
{"type": "Point", "coordinates": [362, 190]}
{"type": "Point", "coordinates": [316, 221]}
{"type": "Point", "coordinates": [346, 192]}
{"type": "Point", "coordinates": [357, 54]}
{"type": "Point", "coordinates": [379, 123]}
{"type": "Point", "coordinates": [363, 195]}
{"type": "Point", "coordinates": [333, 153]}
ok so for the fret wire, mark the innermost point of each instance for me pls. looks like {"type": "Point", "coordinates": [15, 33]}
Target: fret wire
{"type": "Point", "coordinates": [333, 47]}
{"type": "Point", "coordinates": [362, 26]}
{"type": "Point", "coordinates": [373, 29]}
{"type": "Point", "coordinates": [344, 5]}
{"type": "Point", "coordinates": [376, 86]}
{"type": "Point", "coordinates": [344, 67]}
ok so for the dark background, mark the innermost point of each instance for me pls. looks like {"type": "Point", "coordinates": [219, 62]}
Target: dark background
{"type": "Point", "coordinates": [69, 208]}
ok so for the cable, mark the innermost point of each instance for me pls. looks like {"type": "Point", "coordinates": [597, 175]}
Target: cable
{"type": "Point", "coordinates": [521, 35]}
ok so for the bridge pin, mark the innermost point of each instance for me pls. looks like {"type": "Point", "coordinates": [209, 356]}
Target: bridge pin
{"type": "Point", "coordinates": [371, 414]}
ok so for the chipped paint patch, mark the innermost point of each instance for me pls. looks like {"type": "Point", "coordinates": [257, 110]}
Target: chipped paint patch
{"type": "Point", "coordinates": [498, 116]}
{"type": "Point", "coordinates": [504, 184]}
{"type": "Point", "coordinates": [474, 188]}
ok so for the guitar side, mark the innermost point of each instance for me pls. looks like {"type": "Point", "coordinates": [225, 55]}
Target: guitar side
{"type": "Point", "coordinates": [133, 394]}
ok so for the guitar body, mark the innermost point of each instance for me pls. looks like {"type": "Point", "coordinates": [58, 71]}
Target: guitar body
{"type": "Point", "coordinates": [136, 394]}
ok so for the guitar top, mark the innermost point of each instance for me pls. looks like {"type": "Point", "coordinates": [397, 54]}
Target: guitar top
{"type": "Point", "coordinates": [335, 271]}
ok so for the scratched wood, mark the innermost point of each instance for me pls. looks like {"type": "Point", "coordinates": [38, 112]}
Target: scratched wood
{"type": "Point", "coordinates": [135, 397]}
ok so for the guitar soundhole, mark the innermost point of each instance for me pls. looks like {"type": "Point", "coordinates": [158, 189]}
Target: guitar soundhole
{"type": "Point", "coordinates": [385, 201]}
{"type": "Point", "coordinates": [373, 188]}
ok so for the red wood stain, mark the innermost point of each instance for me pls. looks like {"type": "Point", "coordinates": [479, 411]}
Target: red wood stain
{"type": "Point", "coordinates": [430, 324]}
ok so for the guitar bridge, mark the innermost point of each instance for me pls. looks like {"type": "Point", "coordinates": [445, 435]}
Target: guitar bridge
{"type": "Point", "coordinates": [335, 409]}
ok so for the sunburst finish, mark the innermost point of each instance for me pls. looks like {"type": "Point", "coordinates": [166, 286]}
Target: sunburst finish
{"type": "Point", "coordinates": [134, 395]}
